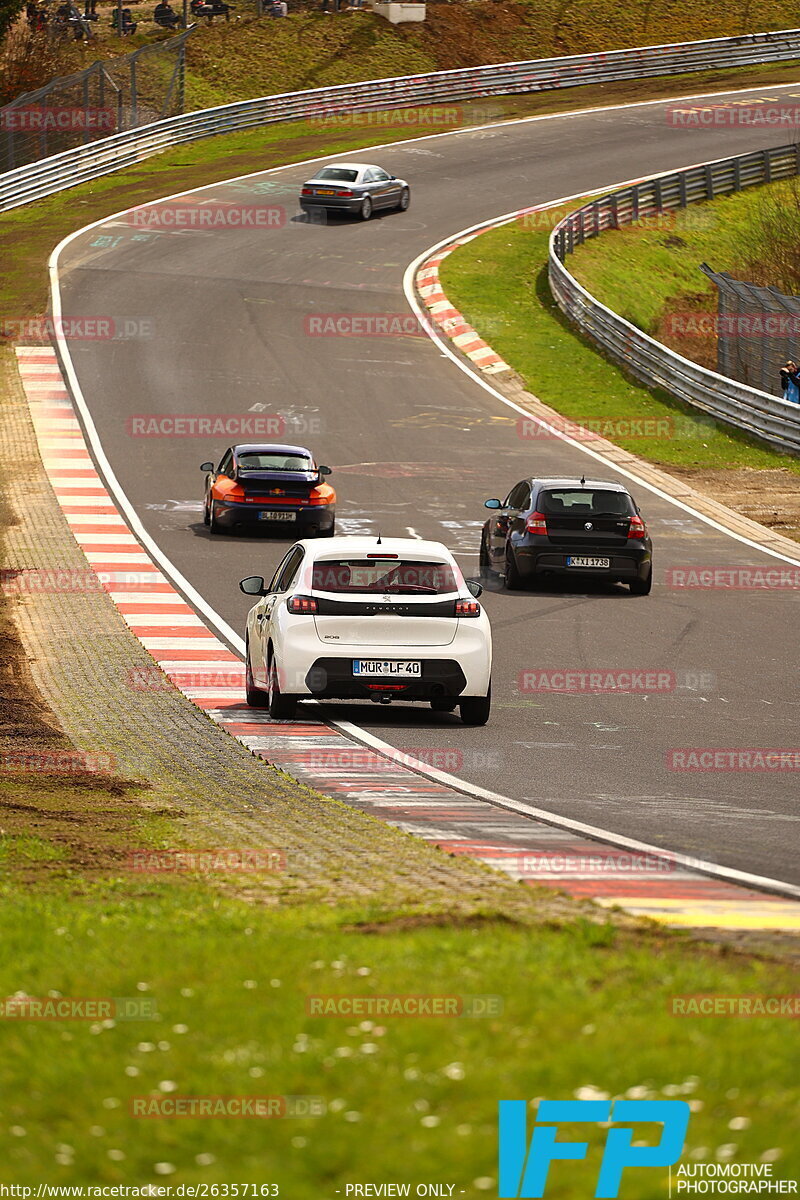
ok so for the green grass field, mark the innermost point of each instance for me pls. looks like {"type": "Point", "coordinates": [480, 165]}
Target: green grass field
{"type": "Point", "coordinates": [583, 1007]}
{"type": "Point", "coordinates": [640, 271]}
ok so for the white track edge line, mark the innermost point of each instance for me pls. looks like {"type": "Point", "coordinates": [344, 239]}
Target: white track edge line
{"type": "Point", "coordinates": [730, 874]}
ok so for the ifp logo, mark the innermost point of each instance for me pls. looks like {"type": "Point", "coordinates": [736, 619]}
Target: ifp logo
{"type": "Point", "coordinates": [523, 1169]}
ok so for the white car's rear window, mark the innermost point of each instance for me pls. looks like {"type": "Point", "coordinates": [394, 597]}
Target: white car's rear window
{"type": "Point", "coordinates": [396, 577]}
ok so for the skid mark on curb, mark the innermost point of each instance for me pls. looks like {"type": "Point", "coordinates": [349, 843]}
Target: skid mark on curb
{"type": "Point", "coordinates": [200, 665]}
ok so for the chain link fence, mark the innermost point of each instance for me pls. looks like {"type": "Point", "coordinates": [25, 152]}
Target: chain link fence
{"type": "Point", "coordinates": [758, 329]}
{"type": "Point", "coordinates": [108, 97]}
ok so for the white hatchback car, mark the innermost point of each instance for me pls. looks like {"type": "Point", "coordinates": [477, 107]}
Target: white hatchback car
{"type": "Point", "coordinates": [365, 618]}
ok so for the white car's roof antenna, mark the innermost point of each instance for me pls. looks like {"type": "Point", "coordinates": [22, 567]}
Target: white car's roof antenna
{"type": "Point", "coordinates": [380, 543]}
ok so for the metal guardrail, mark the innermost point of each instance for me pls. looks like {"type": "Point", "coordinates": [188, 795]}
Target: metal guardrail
{"type": "Point", "coordinates": [44, 178]}
{"type": "Point", "coordinates": [768, 417]}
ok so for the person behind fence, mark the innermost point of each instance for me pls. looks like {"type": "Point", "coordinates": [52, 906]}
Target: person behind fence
{"type": "Point", "coordinates": [122, 22]}
{"type": "Point", "coordinates": [165, 15]}
{"type": "Point", "coordinates": [278, 8]}
{"type": "Point", "coordinates": [213, 8]}
{"type": "Point", "coordinates": [790, 381]}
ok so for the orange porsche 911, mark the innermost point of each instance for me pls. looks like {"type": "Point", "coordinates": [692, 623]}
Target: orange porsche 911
{"type": "Point", "coordinates": [268, 486]}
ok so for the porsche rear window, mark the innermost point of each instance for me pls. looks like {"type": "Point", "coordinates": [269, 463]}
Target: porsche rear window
{"type": "Point", "coordinates": [584, 502]}
{"type": "Point", "coordinates": [274, 462]}
{"type": "Point", "coordinates": [394, 577]}
{"type": "Point", "coordinates": [340, 174]}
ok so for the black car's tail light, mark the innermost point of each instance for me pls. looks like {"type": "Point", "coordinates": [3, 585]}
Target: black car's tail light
{"type": "Point", "coordinates": [536, 523]}
{"type": "Point", "coordinates": [302, 604]}
{"type": "Point", "coordinates": [345, 193]}
{"type": "Point", "coordinates": [308, 192]}
{"type": "Point", "coordinates": [637, 529]}
{"type": "Point", "coordinates": [467, 608]}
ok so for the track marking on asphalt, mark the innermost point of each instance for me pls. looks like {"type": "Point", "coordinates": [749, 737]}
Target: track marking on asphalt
{"type": "Point", "coordinates": [215, 620]}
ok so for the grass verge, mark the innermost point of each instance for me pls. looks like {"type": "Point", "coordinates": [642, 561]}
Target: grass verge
{"type": "Point", "coordinates": [652, 275]}
{"type": "Point", "coordinates": [582, 1007]}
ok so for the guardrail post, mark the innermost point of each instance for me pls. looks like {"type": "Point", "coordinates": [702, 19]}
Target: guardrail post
{"type": "Point", "coordinates": [709, 174]}
{"type": "Point", "coordinates": [767, 166]}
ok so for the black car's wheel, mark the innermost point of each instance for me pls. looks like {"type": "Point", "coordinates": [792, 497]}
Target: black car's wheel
{"type": "Point", "coordinates": [327, 532]}
{"type": "Point", "coordinates": [483, 557]}
{"type": "Point", "coordinates": [512, 577]}
{"type": "Point", "coordinates": [280, 705]}
{"type": "Point", "coordinates": [213, 524]}
{"type": "Point", "coordinates": [475, 709]}
{"type": "Point", "coordinates": [254, 696]}
{"type": "Point", "coordinates": [405, 200]}
{"type": "Point", "coordinates": [365, 212]}
{"type": "Point", "coordinates": [642, 587]}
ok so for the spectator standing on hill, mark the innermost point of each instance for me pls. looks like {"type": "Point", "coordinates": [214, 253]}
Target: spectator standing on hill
{"type": "Point", "coordinates": [790, 381]}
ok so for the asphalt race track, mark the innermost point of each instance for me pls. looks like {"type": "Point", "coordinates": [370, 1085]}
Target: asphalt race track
{"type": "Point", "coordinates": [416, 447]}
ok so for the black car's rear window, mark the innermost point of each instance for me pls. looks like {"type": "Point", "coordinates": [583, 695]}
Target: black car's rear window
{"type": "Point", "coordinates": [274, 462]}
{"type": "Point", "coordinates": [340, 174]}
{"type": "Point", "coordinates": [396, 577]}
{"type": "Point", "coordinates": [584, 502]}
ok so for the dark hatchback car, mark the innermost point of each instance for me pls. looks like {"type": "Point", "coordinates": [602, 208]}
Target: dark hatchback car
{"type": "Point", "coordinates": [568, 528]}
{"type": "Point", "coordinates": [357, 188]}
{"type": "Point", "coordinates": [270, 486]}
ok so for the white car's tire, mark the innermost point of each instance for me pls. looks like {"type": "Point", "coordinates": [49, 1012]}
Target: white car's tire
{"type": "Point", "coordinates": [475, 710]}
{"type": "Point", "coordinates": [255, 697]}
{"type": "Point", "coordinates": [281, 706]}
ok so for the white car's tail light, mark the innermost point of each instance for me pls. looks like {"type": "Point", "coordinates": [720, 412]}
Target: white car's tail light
{"type": "Point", "coordinates": [467, 608]}
{"type": "Point", "coordinates": [302, 604]}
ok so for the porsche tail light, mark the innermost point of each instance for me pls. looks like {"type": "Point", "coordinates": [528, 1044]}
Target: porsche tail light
{"type": "Point", "coordinates": [637, 529]}
{"type": "Point", "coordinates": [302, 604]}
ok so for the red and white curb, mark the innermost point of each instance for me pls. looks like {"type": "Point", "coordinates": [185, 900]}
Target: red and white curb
{"type": "Point", "coordinates": [449, 319]}
{"type": "Point", "coordinates": [209, 674]}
